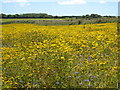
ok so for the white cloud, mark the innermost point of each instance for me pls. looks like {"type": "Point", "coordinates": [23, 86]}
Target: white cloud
{"type": "Point", "coordinates": [24, 4]}
{"type": "Point", "coordinates": [21, 2]}
{"type": "Point", "coordinates": [102, 1]}
{"type": "Point", "coordinates": [72, 2]}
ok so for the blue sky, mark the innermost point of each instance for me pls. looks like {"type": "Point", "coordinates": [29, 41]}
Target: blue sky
{"type": "Point", "coordinates": [61, 7]}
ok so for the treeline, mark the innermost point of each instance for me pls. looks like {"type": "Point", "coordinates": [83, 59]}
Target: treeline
{"type": "Point", "coordinates": [44, 15]}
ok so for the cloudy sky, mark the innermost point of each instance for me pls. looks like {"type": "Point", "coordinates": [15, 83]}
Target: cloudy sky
{"type": "Point", "coordinates": [60, 7]}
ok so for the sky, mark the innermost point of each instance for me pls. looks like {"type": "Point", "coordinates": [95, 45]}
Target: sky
{"type": "Point", "coordinates": [60, 7]}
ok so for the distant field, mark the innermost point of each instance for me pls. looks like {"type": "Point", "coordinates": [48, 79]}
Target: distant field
{"type": "Point", "coordinates": [6, 20]}
{"type": "Point", "coordinates": [58, 21]}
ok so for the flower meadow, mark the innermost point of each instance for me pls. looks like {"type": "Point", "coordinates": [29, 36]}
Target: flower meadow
{"type": "Point", "coordinates": [70, 56]}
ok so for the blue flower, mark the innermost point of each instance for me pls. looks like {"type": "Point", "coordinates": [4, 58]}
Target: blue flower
{"type": "Point", "coordinates": [39, 59]}
{"type": "Point", "coordinates": [54, 71]}
{"type": "Point", "coordinates": [89, 56]}
{"type": "Point", "coordinates": [57, 82]}
{"type": "Point", "coordinates": [76, 72]}
{"type": "Point", "coordinates": [6, 72]}
{"type": "Point", "coordinates": [86, 80]}
{"type": "Point", "coordinates": [77, 77]}
{"type": "Point", "coordinates": [90, 79]}
{"type": "Point", "coordinates": [93, 76]}
{"type": "Point", "coordinates": [34, 82]}
{"type": "Point", "coordinates": [90, 85]}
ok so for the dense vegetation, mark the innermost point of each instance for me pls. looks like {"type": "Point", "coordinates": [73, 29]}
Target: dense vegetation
{"type": "Point", "coordinates": [68, 21]}
{"type": "Point", "coordinates": [75, 56]}
{"type": "Point", "coordinates": [45, 19]}
{"type": "Point", "coordinates": [44, 15]}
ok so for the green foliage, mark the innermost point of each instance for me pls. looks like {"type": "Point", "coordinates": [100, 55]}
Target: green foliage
{"type": "Point", "coordinates": [66, 21]}
{"type": "Point", "coordinates": [44, 15]}
{"type": "Point", "coordinates": [45, 19]}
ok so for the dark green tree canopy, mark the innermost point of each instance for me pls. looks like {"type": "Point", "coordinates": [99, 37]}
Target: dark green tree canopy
{"type": "Point", "coordinates": [44, 15]}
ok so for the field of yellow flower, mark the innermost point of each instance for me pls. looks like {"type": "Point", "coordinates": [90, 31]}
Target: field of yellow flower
{"type": "Point", "coordinates": [75, 56]}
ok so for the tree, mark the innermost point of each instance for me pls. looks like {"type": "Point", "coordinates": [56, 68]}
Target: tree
{"type": "Point", "coordinates": [95, 16]}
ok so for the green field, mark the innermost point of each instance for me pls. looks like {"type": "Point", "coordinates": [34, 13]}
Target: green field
{"type": "Point", "coordinates": [58, 21]}
{"type": "Point", "coordinates": [6, 20]}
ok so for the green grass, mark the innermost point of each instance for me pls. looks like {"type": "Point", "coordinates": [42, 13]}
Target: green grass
{"type": "Point", "coordinates": [6, 20]}
{"type": "Point", "coordinates": [64, 21]}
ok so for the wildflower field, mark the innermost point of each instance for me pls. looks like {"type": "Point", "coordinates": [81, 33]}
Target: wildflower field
{"type": "Point", "coordinates": [70, 56]}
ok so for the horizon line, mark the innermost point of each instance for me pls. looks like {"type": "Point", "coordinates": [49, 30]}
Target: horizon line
{"type": "Point", "coordinates": [55, 15]}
